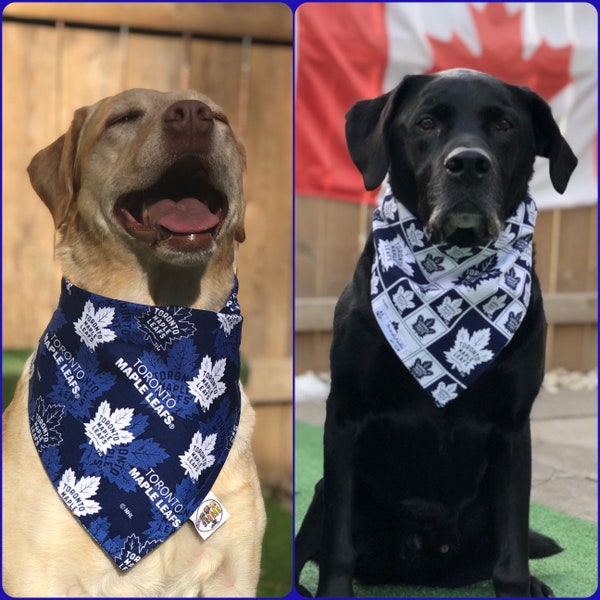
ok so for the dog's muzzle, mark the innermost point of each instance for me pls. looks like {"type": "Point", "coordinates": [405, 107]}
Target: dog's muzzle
{"type": "Point", "coordinates": [465, 205]}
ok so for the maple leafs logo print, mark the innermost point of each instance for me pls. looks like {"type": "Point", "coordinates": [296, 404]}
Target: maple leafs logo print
{"type": "Point", "coordinates": [44, 424]}
{"type": "Point", "coordinates": [450, 308]}
{"type": "Point", "coordinates": [92, 326]}
{"type": "Point", "coordinates": [445, 392]}
{"type": "Point", "coordinates": [163, 329]}
{"type": "Point", "coordinates": [198, 457]}
{"type": "Point", "coordinates": [107, 429]}
{"type": "Point", "coordinates": [228, 322]}
{"type": "Point", "coordinates": [395, 253]}
{"type": "Point", "coordinates": [476, 275]}
{"type": "Point", "coordinates": [403, 300]}
{"type": "Point", "coordinates": [78, 494]}
{"type": "Point", "coordinates": [469, 350]}
{"type": "Point", "coordinates": [133, 550]}
{"type": "Point", "coordinates": [207, 385]}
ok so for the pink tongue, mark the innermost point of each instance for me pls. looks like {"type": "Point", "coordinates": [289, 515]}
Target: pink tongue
{"type": "Point", "coordinates": [188, 215]}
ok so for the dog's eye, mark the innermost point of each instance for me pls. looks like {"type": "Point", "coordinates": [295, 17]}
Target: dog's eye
{"type": "Point", "coordinates": [503, 125]}
{"type": "Point", "coordinates": [426, 123]}
{"type": "Point", "coordinates": [127, 117]}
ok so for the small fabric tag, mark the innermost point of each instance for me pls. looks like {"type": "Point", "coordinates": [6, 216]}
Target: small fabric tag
{"type": "Point", "coordinates": [209, 516]}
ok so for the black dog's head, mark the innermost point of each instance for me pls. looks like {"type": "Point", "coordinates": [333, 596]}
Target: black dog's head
{"type": "Point", "coordinates": [459, 146]}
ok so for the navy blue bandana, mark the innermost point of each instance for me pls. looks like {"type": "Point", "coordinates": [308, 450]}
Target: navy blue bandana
{"type": "Point", "coordinates": [447, 311]}
{"type": "Point", "coordinates": [133, 410]}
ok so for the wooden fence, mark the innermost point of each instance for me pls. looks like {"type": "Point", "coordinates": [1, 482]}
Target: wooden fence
{"type": "Point", "coordinates": [330, 236]}
{"type": "Point", "coordinates": [60, 56]}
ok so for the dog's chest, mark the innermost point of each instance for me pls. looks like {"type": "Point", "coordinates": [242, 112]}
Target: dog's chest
{"type": "Point", "coordinates": [404, 456]}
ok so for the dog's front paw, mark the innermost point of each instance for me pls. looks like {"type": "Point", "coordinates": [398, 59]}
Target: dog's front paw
{"type": "Point", "coordinates": [302, 591]}
{"type": "Point", "coordinates": [538, 589]}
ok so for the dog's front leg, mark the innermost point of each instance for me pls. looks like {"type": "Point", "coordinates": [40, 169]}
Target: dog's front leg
{"type": "Point", "coordinates": [512, 486]}
{"type": "Point", "coordinates": [336, 565]}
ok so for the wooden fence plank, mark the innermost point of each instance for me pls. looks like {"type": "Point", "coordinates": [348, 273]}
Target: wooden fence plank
{"type": "Point", "coordinates": [30, 105]}
{"type": "Point", "coordinates": [154, 62]}
{"type": "Point", "coordinates": [215, 70]}
{"type": "Point", "coordinates": [542, 239]}
{"type": "Point", "coordinates": [329, 239]}
{"type": "Point", "coordinates": [268, 21]}
{"type": "Point", "coordinates": [266, 256]}
{"type": "Point", "coordinates": [574, 240]}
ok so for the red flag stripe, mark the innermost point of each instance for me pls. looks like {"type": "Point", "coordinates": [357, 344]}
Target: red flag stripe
{"type": "Point", "coordinates": [332, 75]}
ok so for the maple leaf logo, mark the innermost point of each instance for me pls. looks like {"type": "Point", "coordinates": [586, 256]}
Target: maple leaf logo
{"type": "Point", "coordinates": [164, 326]}
{"type": "Point", "coordinates": [403, 299]}
{"type": "Point", "coordinates": [495, 304]}
{"type": "Point", "coordinates": [505, 238]}
{"type": "Point", "coordinates": [443, 393]}
{"type": "Point", "coordinates": [389, 208]}
{"type": "Point", "coordinates": [107, 429]}
{"type": "Point", "coordinates": [469, 350]}
{"type": "Point", "coordinates": [44, 424]}
{"type": "Point", "coordinates": [433, 264]}
{"type": "Point", "coordinates": [513, 321]}
{"type": "Point", "coordinates": [77, 494]}
{"type": "Point", "coordinates": [198, 456]}
{"type": "Point", "coordinates": [421, 368]}
{"type": "Point", "coordinates": [228, 322]}
{"type": "Point", "coordinates": [207, 385]}
{"type": "Point", "coordinates": [423, 327]}
{"type": "Point", "coordinates": [449, 308]}
{"type": "Point", "coordinates": [92, 326]}
{"type": "Point", "coordinates": [474, 276]}
{"type": "Point", "coordinates": [395, 253]}
{"type": "Point", "coordinates": [501, 52]}
{"type": "Point", "coordinates": [133, 550]}
{"type": "Point", "coordinates": [415, 236]}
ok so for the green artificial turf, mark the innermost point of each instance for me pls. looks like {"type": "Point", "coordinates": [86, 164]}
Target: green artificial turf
{"type": "Point", "coordinates": [12, 365]}
{"type": "Point", "coordinates": [571, 574]}
{"type": "Point", "coordinates": [276, 565]}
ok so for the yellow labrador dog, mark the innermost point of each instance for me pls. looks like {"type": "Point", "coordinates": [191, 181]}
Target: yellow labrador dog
{"type": "Point", "coordinates": [145, 189]}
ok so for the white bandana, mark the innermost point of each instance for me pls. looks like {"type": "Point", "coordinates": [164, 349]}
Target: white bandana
{"type": "Point", "coordinates": [449, 311]}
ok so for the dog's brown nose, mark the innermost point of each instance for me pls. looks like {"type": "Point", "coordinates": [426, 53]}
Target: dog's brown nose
{"type": "Point", "coordinates": [188, 120]}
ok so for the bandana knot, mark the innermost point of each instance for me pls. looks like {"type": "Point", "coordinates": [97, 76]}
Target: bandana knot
{"type": "Point", "coordinates": [133, 410]}
{"type": "Point", "coordinates": [448, 311]}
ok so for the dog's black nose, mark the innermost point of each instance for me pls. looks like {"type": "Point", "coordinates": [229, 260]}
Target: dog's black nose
{"type": "Point", "coordinates": [468, 163]}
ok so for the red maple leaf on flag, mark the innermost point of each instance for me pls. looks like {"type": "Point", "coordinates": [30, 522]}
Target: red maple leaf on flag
{"type": "Point", "coordinates": [546, 72]}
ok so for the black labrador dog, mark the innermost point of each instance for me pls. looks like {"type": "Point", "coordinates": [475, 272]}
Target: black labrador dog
{"type": "Point", "coordinates": [413, 492]}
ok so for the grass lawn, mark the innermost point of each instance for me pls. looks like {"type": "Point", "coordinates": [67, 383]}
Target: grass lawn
{"type": "Point", "coordinates": [276, 566]}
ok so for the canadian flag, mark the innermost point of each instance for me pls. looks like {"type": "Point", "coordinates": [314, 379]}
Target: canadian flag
{"type": "Point", "coordinates": [350, 51]}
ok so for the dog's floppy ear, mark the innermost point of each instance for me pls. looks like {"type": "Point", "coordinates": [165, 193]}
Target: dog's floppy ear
{"type": "Point", "coordinates": [51, 170]}
{"type": "Point", "coordinates": [366, 124]}
{"type": "Point", "coordinates": [549, 141]}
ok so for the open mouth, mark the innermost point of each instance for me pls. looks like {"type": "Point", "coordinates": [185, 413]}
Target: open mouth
{"type": "Point", "coordinates": [182, 210]}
